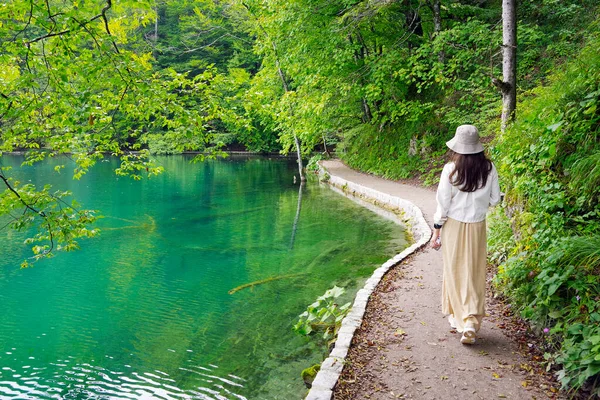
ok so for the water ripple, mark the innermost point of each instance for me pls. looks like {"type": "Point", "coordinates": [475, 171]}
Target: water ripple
{"type": "Point", "coordinates": [87, 381]}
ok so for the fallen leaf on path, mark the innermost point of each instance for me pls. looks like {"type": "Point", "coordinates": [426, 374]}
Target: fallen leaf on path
{"type": "Point", "coordinates": [423, 323]}
{"type": "Point", "coordinates": [444, 377]}
{"type": "Point", "coordinates": [496, 376]}
{"type": "Point", "coordinates": [400, 332]}
{"type": "Point", "coordinates": [526, 367]}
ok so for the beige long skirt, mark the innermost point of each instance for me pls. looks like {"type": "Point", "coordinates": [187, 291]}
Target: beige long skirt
{"type": "Point", "coordinates": [464, 252]}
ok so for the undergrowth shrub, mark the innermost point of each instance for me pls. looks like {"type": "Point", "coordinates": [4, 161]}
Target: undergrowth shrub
{"type": "Point", "coordinates": [394, 152]}
{"type": "Point", "coordinates": [548, 161]}
{"type": "Point", "coordinates": [501, 241]}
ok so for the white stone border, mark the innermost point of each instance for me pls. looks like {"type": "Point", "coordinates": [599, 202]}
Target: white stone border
{"type": "Point", "coordinates": [331, 368]}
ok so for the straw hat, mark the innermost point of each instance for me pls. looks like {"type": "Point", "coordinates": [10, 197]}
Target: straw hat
{"type": "Point", "coordinates": [466, 140]}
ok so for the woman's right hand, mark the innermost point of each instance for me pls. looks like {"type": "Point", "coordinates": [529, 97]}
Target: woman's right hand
{"type": "Point", "coordinates": [435, 241]}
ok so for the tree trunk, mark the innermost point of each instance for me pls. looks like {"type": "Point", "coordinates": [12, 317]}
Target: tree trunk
{"type": "Point", "coordinates": [298, 208]}
{"type": "Point", "coordinates": [437, 17]}
{"type": "Point", "coordinates": [359, 58]}
{"type": "Point", "coordinates": [437, 26]}
{"type": "Point", "coordinates": [367, 116]}
{"type": "Point", "coordinates": [413, 26]}
{"type": "Point", "coordinates": [156, 26]}
{"type": "Point", "coordinates": [509, 61]}
{"type": "Point", "coordinates": [299, 155]}
{"type": "Point", "coordinates": [413, 22]}
{"type": "Point", "coordinates": [296, 141]}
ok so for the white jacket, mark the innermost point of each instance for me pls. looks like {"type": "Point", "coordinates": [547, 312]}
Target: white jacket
{"type": "Point", "coordinates": [465, 206]}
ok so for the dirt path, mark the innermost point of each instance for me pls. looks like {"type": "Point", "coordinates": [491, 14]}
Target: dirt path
{"type": "Point", "coordinates": [406, 349]}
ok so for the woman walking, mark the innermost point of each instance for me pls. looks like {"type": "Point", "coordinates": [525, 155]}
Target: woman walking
{"type": "Point", "coordinates": [468, 187]}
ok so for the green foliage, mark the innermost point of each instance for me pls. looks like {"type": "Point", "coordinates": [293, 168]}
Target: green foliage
{"type": "Point", "coordinates": [324, 315]}
{"type": "Point", "coordinates": [313, 163]}
{"type": "Point", "coordinates": [57, 224]}
{"type": "Point", "coordinates": [581, 251]}
{"type": "Point", "coordinates": [309, 374]}
{"type": "Point", "coordinates": [561, 23]}
{"type": "Point", "coordinates": [385, 152]}
{"type": "Point", "coordinates": [357, 72]}
{"type": "Point", "coordinates": [586, 178]}
{"type": "Point", "coordinates": [549, 164]}
{"type": "Point", "coordinates": [191, 36]}
{"type": "Point", "coordinates": [71, 82]}
{"type": "Point", "coordinates": [501, 241]}
{"type": "Point", "coordinates": [249, 121]}
{"type": "Point", "coordinates": [390, 91]}
{"type": "Point", "coordinates": [581, 354]}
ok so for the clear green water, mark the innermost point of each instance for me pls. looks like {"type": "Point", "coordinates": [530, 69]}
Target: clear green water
{"type": "Point", "coordinates": [143, 311]}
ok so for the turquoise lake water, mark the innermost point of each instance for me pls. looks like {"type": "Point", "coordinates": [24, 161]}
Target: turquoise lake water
{"type": "Point", "coordinates": [144, 310]}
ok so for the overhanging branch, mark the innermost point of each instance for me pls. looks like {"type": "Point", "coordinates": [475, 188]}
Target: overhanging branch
{"type": "Point", "coordinates": [28, 206]}
{"type": "Point", "coordinates": [64, 32]}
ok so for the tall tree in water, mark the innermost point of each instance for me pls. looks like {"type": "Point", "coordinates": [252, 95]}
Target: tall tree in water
{"type": "Point", "coordinates": [271, 43]}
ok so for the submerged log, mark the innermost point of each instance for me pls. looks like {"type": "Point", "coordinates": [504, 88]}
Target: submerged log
{"type": "Point", "coordinates": [260, 282]}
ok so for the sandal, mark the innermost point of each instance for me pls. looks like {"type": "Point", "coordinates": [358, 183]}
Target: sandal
{"type": "Point", "coordinates": [469, 336]}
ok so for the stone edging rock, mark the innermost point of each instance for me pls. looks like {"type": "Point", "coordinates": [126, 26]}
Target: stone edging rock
{"type": "Point", "coordinates": [331, 368]}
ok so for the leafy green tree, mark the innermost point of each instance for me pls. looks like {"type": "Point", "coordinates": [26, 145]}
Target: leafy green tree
{"type": "Point", "coordinates": [191, 36]}
{"type": "Point", "coordinates": [70, 85]}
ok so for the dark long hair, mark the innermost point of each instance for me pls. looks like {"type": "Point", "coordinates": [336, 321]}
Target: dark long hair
{"type": "Point", "coordinates": [471, 171]}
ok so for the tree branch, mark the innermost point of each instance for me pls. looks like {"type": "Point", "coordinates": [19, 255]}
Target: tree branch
{"type": "Point", "coordinates": [64, 32]}
{"type": "Point", "coordinates": [10, 103]}
{"type": "Point", "coordinates": [211, 43]}
{"type": "Point", "coordinates": [28, 21]}
{"type": "Point", "coordinates": [49, 35]}
{"type": "Point", "coordinates": [104, 10]}
{"type": "Point", "coordinates": [84, 27]}
{"type": "Point", "coordinates": [503, 86]}
{"type": "Point", "coordinates": [29, 207]}
{"type": "Point", "coordinates": [8, 185]}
